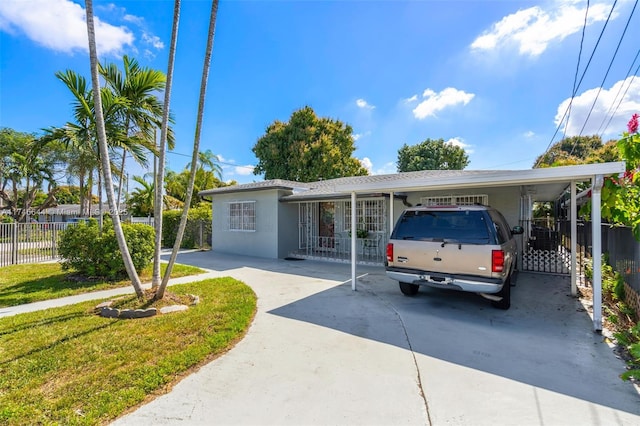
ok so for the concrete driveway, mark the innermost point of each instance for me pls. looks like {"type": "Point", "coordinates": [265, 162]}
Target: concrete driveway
{"type": "Point", "coordinates": [319, 353]}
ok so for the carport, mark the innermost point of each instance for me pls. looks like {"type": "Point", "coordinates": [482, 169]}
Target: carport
{"type": "Point", "coordinates": [535, 185]}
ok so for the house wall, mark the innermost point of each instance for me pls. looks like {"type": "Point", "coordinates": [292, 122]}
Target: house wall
{"type": "Point", "coordinates": [288, 228]}
{"type": "Point", "coordinates": [265, 240]}
{"type": "Point", "coordinates": [504, 199]}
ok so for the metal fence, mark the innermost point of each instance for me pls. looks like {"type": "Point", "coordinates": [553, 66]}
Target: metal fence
{"type": "Point", "coordinates": [29, 242]}
{"type": "Point", "coordinates": [38, 242]}
{"type": "Point", "coordinates": [618, 244]}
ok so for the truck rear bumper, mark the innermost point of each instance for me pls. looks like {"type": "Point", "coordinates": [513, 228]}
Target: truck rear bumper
{"type": "Point", "coordinates": [468, 283]}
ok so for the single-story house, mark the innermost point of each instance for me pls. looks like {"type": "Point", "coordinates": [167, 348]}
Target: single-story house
{"type": "Point", "coordinates": [280, 219]}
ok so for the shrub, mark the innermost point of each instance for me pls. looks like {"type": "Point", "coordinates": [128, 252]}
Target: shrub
{"type": "Point", "coordinates": [196, 215]}
{"type": "Point", "coordinates": [86, 250]}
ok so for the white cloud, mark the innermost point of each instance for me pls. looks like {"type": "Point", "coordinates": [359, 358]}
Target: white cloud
{"type": "Point", "coordinates": [460, 142]}
{"type": "Point", "coordinates": [153, 40]}
{"type": "Point", "coordinates": [364, 104]}
{"type": "Point", "coordinates": [243, 170]}
{"type": "Point", "coordinates": [529, 134]}
{"type": "Point", "coordinates": [607, 101]}
{"type": "Point", "coordinates": [366, 163]}
{"type": "Point", "coordinates": [532, 30]}
{"type": "Point", "coordinates": [411, 99]}
{"type": "Point", "coordinates": [361, 135]}
{"type": "Point", "coordinates": [60, 25]}
{"type": "Point", "coordinates": [435, 102]}
{"type": "Point", "coordinates": [386, 169]}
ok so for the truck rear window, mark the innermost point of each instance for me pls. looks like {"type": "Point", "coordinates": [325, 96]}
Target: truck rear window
{"type": "Point", "coordinates": [468, 227]}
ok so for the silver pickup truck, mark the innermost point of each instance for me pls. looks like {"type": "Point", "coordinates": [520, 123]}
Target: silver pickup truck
{"type": "Point", "coordinates": [467, 248]}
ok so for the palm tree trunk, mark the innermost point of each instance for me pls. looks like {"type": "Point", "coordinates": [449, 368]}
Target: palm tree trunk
{"type": "Point", "coordinates": [124, 159]}
{"type": "Point", "coordinates": [159, 184]}
{"type": "Point", "coordinates": [104, 154]}
{"type": "Point", "coordinates": [196, 148]}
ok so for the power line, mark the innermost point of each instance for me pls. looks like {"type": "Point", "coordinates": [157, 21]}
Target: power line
{"type": "Point", "coordinates": [219, 162]}
{"type": "Point", "coordinates": [615, 53]}
{"type": "Point", "coordinates": [610, 113]}
{"type": "Point", "coordinates": [575, 77]}
{"type": "Point", "coordinates": [579, 82]}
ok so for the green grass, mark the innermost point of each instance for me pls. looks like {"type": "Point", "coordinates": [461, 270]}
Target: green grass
{"type": "Point", "coordinates": [69, 366]}
{"type": "Point", "coordinates": [34, 282]}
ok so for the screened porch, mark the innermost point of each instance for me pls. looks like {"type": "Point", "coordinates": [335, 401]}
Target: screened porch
{"type": "Point", "coordinates": [324, 230]}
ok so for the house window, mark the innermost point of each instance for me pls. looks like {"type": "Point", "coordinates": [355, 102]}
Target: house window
{"type": "Point", "coordinates": [242, 216]}
{"type": "Point", "coordinates": [370, 215]}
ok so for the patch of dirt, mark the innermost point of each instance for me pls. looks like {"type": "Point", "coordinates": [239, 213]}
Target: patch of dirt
{"type": "Point", "coordinates": [149, 300]}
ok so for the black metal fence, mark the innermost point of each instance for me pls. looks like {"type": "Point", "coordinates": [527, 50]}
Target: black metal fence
{"type": "Point", "coordinates": [618, 244]}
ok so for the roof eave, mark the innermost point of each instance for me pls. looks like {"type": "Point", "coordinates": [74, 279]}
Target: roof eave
{"type": "Point", "coordinates": [499, 178]}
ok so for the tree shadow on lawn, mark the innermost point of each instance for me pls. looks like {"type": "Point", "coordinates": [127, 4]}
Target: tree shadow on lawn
{"type": "Point", "coordinates": [58, 285]}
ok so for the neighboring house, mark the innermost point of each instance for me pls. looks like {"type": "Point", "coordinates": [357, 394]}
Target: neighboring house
{"type": "Point", "coordinates": [280, 219]}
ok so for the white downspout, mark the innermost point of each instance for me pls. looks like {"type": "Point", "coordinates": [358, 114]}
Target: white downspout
{"type": "Point", "coordinates": [573, 218]}
{"type": "Point", "coordinates": [354, 256]}
{"type": "Point", "coordinates": [596, 251]}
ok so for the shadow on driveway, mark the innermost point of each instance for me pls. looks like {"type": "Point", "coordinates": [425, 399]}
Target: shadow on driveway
{"type": "Point", "coordinates": [544, 340]}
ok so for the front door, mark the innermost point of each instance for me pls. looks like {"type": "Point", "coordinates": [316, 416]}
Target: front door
{"type": "Point", "coordinates": [326, 224]}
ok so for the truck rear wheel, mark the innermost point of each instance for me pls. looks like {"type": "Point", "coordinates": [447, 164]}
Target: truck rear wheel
{"type": "Point", "coordinates": [409, 289]}
{"type": "Point", "coordinates": [505, 293]}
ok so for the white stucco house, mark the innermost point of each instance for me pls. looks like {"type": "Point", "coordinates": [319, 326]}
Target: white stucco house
{"type": "Point", "coordinates": [280, 219]}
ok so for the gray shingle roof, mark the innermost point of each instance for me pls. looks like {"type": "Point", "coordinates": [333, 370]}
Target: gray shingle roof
{"type": "Point", "coordinates": [327, 188]}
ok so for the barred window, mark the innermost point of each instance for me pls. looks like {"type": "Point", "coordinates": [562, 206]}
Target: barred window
{"type": "Point", "coordinates": [242, 216]}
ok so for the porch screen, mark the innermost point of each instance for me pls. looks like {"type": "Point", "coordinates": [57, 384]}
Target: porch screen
{"type": "Point", "coordinates": [242, 216]}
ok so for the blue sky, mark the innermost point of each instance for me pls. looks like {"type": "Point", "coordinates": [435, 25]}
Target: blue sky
{"type": "Point", "coordinates": [494, 77]}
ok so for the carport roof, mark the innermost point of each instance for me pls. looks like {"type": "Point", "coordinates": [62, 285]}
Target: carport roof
{"type": "Point", "coordinates": [542, 184]}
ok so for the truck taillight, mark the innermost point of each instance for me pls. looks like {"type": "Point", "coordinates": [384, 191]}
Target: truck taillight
{"type": "Point", "coordinates": [497, 261]}
{"type": "Point", "coordinates": [390, 252]}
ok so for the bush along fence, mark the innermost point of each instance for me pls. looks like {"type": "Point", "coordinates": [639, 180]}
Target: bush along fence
{"type": "Point", "coordinates": [39, 242]}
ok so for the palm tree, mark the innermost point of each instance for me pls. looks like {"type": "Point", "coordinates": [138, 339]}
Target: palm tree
{"type": "Point", "coordinates": [141, 113]}
{"type": "Point", "coordinates": [104, 153]}
{"type": "Point", "coordinates": [164, 128]}
{"type": "Point", "coordinates": [142, 198]}
{"type": "Point", "coordinates": [210, 160]}
{"type": "Point", "coordinates": [196, 148]}
{"type": "Point", "coordinates": [80, 137]}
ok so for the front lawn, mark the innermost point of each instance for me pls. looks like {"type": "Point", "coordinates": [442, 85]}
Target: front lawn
{"type": "Point", "coordinates": [70, 366]}
{"type": "Point", "coordinates": [20, 284]}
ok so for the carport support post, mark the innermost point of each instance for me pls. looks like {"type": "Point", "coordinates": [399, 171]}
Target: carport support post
{"type": "Point", "coordinates": [596, 251]}
{"type": "Point", "coordinates": [391, 212]}
{"type": "Point", "coordinates": [354, 255]}
{"type": "Point", "coordinates": [574, 244]}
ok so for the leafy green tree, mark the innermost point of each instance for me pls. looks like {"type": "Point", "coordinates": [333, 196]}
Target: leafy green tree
{"type": "Point", "coordinates": [569, 151]}
{"type": "Point", "coordinates": [307, 148]}
{"type": "Point", "coordinates": [176, 184]}
{"type": "Point", "coordinates": [607, 153]}
{"type": "Point", "coordinates": [27, 167]}
{"type": "Point", "coordinates": [431, 155]}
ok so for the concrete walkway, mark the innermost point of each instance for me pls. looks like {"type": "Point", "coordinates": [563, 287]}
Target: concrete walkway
{"type": "Point", "coordinates": [319, 353]}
